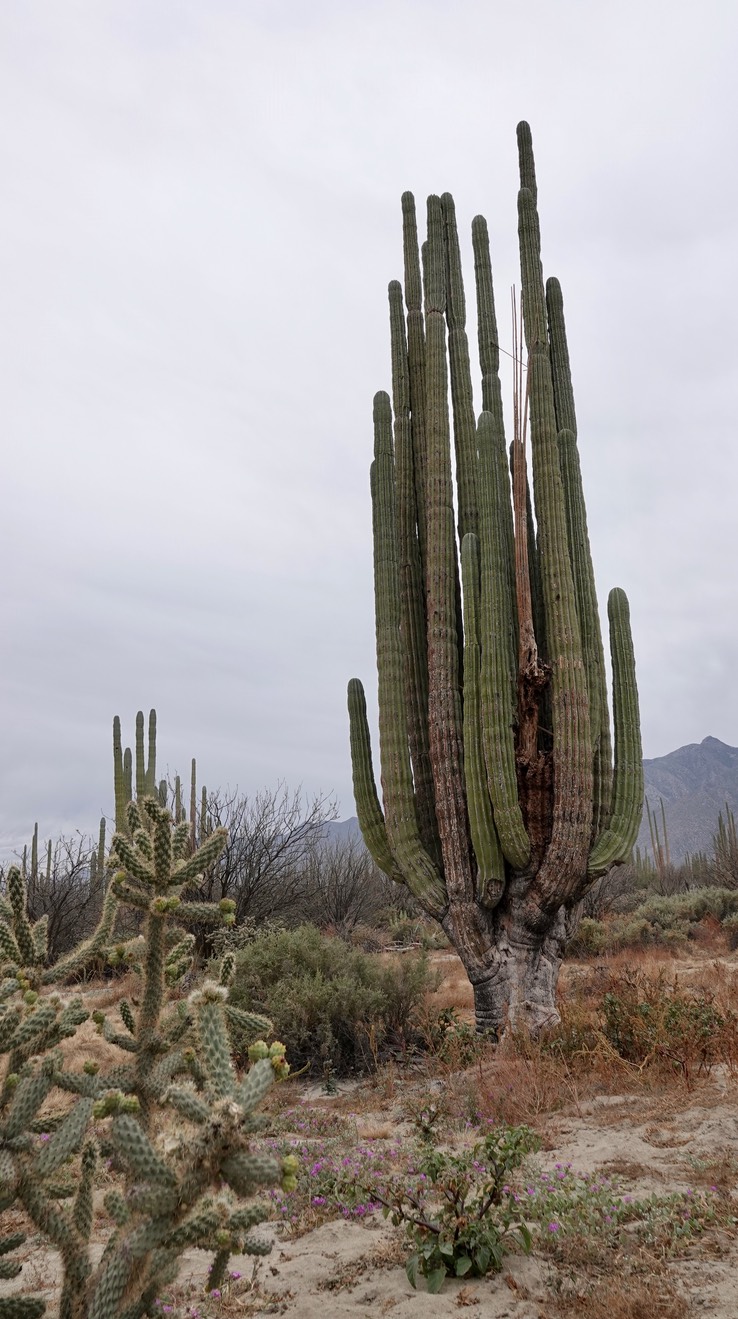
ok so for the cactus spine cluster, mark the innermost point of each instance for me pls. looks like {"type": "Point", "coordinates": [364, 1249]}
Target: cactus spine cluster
{"type": "Point", "coordinates": [501, 804]}
{"type": "Point", "coordinates": [171, 1195]}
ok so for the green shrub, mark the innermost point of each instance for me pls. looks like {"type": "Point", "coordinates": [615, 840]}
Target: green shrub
{"type": "Point", "coordinates": [590, 939]}
{"type": "Point", "coordinates": [336, 1008]}
{"type": "Point", "coordinates": [689, 908]}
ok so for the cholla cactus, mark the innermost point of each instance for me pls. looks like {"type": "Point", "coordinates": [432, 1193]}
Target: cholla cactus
{"type": "Point", "coordinates": [174, 1194]}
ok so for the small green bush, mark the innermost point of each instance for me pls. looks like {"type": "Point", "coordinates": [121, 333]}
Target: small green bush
{"type": "Point", "coordinates": [336, 1008]}
{"type": "Point", "coordinates": [590, 939]}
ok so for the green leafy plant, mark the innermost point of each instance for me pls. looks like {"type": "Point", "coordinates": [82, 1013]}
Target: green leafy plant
{"type": "Point", "coordinates": [336, 1008]}
{"type": "Point", "coordinates": [461, 1212]}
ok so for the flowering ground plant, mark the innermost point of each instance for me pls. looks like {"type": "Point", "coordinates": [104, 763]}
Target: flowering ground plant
{"type": "Point", "coordinates": [461, 1212]}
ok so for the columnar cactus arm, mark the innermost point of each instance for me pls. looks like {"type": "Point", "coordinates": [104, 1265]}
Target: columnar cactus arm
{"type": "Point", "coordinates": [368, 808]}
{"type": "Point", "coordinates": [411, 585]}
{"type": "Point", "coordinates": [490, 877]}
{"type": "Point", "coordinates": [493, 494]}
{"type": "Point", "coordinates": [421, 874]}
{"type": "Point", "coordinates": [566, 855]}
{"type": "Point", "coordinates": [415, 360]}
{"type": "Point", "coordinates": [121, 800]}
{"type": "Point", "coordinates": [616, 843]}
{"type": "Point", "coordinates": [581, 557]}
{"type": "Point", "coordinates": [444, 690]}
{"type": "Point", "coordinates": [526, 161]}
{"type": "Point", "coordinates": [462, 400]}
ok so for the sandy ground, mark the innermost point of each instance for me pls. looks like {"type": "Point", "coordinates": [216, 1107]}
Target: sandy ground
{"type": "Point", "coordinates": [346, 1269]}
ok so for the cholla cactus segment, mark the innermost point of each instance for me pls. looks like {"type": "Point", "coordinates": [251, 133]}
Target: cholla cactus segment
{"type": "Point", "coordinates": [188, 1104]}
{"type": "Point", "coordinates": [22, 1307]}
{"type": "Point", "coordinates": [206, 854]}
{"type": "Point", "coordinates": [170, 1193]}
{"type": "Point", "coordinates": [66, 1141]}
{"type": "Point", "coordinates": [249, 1021]}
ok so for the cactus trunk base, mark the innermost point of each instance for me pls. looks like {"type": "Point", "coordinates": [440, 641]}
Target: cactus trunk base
{"type": "Point", "coordinates": [516, 991]}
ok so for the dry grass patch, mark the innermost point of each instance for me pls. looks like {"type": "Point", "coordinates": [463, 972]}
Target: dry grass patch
{"type": "Point", "coordinates": [626, 1298]}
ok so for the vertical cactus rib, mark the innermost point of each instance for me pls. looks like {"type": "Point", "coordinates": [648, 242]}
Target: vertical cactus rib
{"type": "Point", "coordinates": [462, 398]}
{"type": "Point", "coordinates": [412, 592]}
{"type": "Point", "coordinates": [616, 843]}
{"type": "Point", "coordinates": [581, 557]}
{"type": "Point", "coordinates": [444, 693]}
{"type": "Point", "coordinates": [572, 800]}
{"type": "Point", "coordinates": [490, 877]}
{"type": "Point", "coordinates": [422, 876]}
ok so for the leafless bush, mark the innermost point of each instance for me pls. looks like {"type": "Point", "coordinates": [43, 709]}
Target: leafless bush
{"type": "Point", "coordinates": [343, 886]}
{"type": "Point", "coordinates": [271, 840]}
{"type": "Point", "coordinates": [68, 888]}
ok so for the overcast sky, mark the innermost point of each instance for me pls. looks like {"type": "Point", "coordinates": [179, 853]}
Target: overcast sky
{"type": "Point", "coordinates": [199, 215]}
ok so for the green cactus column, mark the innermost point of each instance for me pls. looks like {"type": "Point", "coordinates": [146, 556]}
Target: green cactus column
{"type": "Point", "coordinates": [500, 800]}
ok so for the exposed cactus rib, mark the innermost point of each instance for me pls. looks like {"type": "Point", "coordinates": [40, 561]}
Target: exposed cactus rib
{"type": "Point", "coordinates": [572, 800]}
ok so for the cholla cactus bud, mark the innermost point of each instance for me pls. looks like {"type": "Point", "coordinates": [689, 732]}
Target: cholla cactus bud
{"type": "Point", "coordinates": [258, 1050]}
{"type": "Point", "coordinates": [290, 1165]}
{"type": "Point", "coordinates": [98, 1017]}
{"type": "Point", "coordinates": [223, 1239]}
{"type": "Point", "coordinates": [12, 1080]}
{"type": "Point", "coordinates": [91, 1068]}
{"type": "Point", "coordinates": [226, 905]}
{"type": "Point", "coordinates": [115, 1102]}
{"type": "Point", "coordinates": [30, 997]}
{"type": "Point", "coordinates": [281, 1067]}
{"type": "Point", "coordinates": [209, 992]}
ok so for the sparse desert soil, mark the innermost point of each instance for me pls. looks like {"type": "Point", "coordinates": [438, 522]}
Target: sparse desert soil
{"type": "Point", "coordinates": [654, 1137]}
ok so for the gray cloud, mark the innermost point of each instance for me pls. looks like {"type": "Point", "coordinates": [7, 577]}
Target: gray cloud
{"type": "Point", "coordinates": [199, 217]}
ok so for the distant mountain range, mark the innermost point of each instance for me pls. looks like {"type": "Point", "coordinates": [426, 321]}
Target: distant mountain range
{"type": "Point", "coordinates": [694, 783]}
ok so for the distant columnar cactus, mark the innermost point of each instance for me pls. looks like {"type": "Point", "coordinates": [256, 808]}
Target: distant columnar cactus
{"type": "Point", "coordinates": [501, 804]}
{"type": "Point", "coordinates": [172, 1194]}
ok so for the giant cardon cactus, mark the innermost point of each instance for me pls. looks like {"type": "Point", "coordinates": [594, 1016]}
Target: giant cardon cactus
{"type": "Point", "coordinates": [501, 802]}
